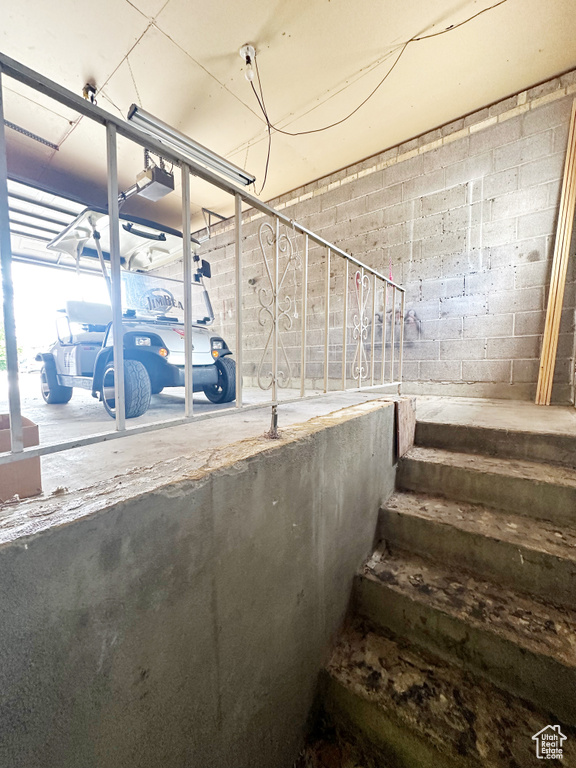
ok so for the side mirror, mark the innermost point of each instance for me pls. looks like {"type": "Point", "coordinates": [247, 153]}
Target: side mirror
{"type": "Point", "coordinates": [205, 268]}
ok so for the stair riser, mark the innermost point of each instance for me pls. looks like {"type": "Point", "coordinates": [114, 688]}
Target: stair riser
{"type": "Point", "coordinates": [516, 494]}
{"type": "Point", "coordinates": [532, 676]}
{"type": "Point", "coordinates": [394, 745]}
{"type": "Point", "coordinates": [528, 571]}
{"type": "Point", "coordinates": [526, 446]}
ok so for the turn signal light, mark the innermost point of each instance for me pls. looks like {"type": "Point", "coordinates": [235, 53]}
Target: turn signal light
{"type": "Point", "coordinates": [163, 352]}
{"type": "Point", "coordinates": [215, 353]}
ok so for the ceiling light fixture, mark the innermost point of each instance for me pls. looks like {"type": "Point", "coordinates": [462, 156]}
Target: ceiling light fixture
{"type": "Point", "coordinates": [187, 146]}
{"type": "Point", "coordinates": [248, 52]}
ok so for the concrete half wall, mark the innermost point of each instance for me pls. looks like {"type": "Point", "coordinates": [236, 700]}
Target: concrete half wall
{"type": "Point", "coordinates": [179, 618]}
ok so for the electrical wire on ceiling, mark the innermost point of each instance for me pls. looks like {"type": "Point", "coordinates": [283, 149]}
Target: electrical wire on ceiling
{"type": "Point", "coordinates": [415, 39]}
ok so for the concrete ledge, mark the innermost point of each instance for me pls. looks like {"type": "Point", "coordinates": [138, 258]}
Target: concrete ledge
{"type": "Point", "coordinates": [180, 615]}
{"type": "Point", "coordinates": [504, 548]}
{"type": "Point", "coordinates": [521, 669]}
{"type": "Point", "coordinates": [506, 443]}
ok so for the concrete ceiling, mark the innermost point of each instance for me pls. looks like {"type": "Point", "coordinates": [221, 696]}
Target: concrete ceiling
{"type": "Point", "coordinates": [318, 59]}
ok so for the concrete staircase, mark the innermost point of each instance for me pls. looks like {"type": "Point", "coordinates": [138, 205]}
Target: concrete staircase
{"type": "Point", "coordinates": [461, 644]}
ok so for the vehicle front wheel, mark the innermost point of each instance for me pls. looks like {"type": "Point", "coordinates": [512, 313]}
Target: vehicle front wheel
{"type": "Point", "coordinates": [52, 392]}
{"type": "Point", "coordinates": [137, 389]}
{"type": "Point", "coordinates": [225, 390]}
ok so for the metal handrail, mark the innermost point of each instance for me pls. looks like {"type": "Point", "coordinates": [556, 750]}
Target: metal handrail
{"type": "Point", "coordinates": [361, 368]}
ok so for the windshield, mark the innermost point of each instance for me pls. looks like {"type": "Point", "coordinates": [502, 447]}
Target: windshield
{"type": "Point", "coordinates": [151, 297]}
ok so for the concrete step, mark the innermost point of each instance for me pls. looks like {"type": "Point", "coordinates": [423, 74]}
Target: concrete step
{"type": "Point", "coordinates": [523, 487]}
{"type": "Point", "coordinates": [520, 644]}
{"type": "Point", "coordinates": [420, 712]}
{"type": "Point", "coordinates": [533, 557]}
{"type": "Point", "coordinates": [549, 447]}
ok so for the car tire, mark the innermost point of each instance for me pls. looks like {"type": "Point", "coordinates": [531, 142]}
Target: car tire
{"type": "Point", "coordinates": [137, 389]}
{"type": "Point", "coordinates": [225, 390]}
{"type": "Point", "coordinates": [52, 392]}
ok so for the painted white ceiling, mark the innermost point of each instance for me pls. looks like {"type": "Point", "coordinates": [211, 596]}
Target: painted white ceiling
{"type": "Point", "coordinates": [318, 59]}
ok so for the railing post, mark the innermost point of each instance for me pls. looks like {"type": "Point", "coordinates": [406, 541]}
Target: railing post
{"type": "Point", "coordinates": [275, 329]}
{"type": "Point", "coordinates": [345, 323]}
{"type": "Point", "coordinates": [373, 330]}
{"type": "Point", "coordinates": [16, 432]}
{"type": "Point", "coordinates": [304, 314]}
{"type": "Point", "coordinates": [401, 342]}
{"type": "Point", "coordinates": [114, 229]}
{"type": "Point", "coordinates": [384, 310]}
{"type": "Point", "coordinates": [238, 268]}
{"type": "Point", "coordinates": [327, 319]}
{"type": "Point", "coordinates": [187, 277]}
{"type": "Point", "coordinates": [361, 336]}
{"type": "Point", "coordinates": [392, 333]}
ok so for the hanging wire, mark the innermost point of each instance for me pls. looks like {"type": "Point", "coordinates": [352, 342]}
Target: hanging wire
{"type": "Point", "coordinates": [271, 126]}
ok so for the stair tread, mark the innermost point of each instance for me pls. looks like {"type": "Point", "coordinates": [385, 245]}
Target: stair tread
{"type": "Point", "coordinates": [521, 468]}
{"type": "Point", "coordinates": [525, 621]}
{"type": "Point", "coordinates": [524, 532]}
{"type": "Point", "coordinates": [456, 711]}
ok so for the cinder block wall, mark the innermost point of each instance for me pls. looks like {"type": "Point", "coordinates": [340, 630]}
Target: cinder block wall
{"type": "Point", "coordinates": [464, 217]}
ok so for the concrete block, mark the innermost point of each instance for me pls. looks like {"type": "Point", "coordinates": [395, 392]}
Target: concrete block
{"type": "Point", "coordinates": [365, 185]}
{"type": "Point", "coordinates": [546, 117]}
{"type": "Point", "coordinates": [410, 370]}
{"type": "Point", "coordinates": [487, 326]}
{"type": "Point", "coordinates": [445, 200]}
{"type": "Point", "coordinates": [402, 212]}
{"type": "Point", "coordinates": [524, 150]}
{"type": "Point", "coordinates": [422, 350]}
{"type": "Point", "coordinates": [467, 217]}
{"type": "Point", "coordinates": [520, 252]}
{"type": "Point", "coordinates": [427, 227]}
{"type": "Point", "coordinates": [424, 269]}
{"type": "Point", "coordinates": [335, 197]}
{"type": "Point", "coordinates": [423, 185]}
{"type": "Point", "coordinates": [401, 171]}
{"type": "Point", "coordinates": [383, 198]}
{"type": "Point", "coordinates": [537, 224]}
{"type": "Point", "coordinates": [455, 125]}
{"type": "Point", "coordinates": [503, 106]}
{"type": "Point", "coordinates": [442, 370]}
{"type": "Point", "coordinates": [496, 136]}
{"type": "Point", "coordinates": [447, 328]}
{"type": "Point", "coordinates": [560, 142]}
{"type": "Point", "coordinates": [500, 183]}
{"type": "Point", "coordinates": [548, 168]}
{"type": "Point", "coordinates": [466, 262]}
{"type": "Point", "coordinates": [499, 232]}
{"type": "Point", "coordinates": [487, 370]}
{"type": "Point", "coordinates": [393, 235]}
{"type": "Point", "coordinates": [441, 157]}
{"type": "Point", "coordinates": [463, 306]}
{"type": "Point", "coordinates": [513, 348]}
{"type": "Point", "coordinates": [529, 323]}
{"type": "Point", "coordinates": [488, 281]}
{"type": "Point", "coordinates": [525, 300]}
{"type": "Point", "coordinates": [525, 371]}
{"type": "Point", "coordinates": [532, 275]}
{"type": "Point", "coordinates": [472, 168]}
{"type": "Point", "coordinates": [476, 117]}
{"type": "Point", "coordinates": [351, 209]}
{"type": "Point", "coordinates": [520, 202]}
{"type": "Point", "coordinates": [463, 349]}
{"type": "Point", "coordinates": [434, 289]}
{"type": "Point", "coordinates": [450, 242]}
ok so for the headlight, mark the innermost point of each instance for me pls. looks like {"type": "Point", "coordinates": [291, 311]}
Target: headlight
{"type": "Point", "coordinates": [217, 344]}
{"type": "Point", "coordinates": [142, 341]}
